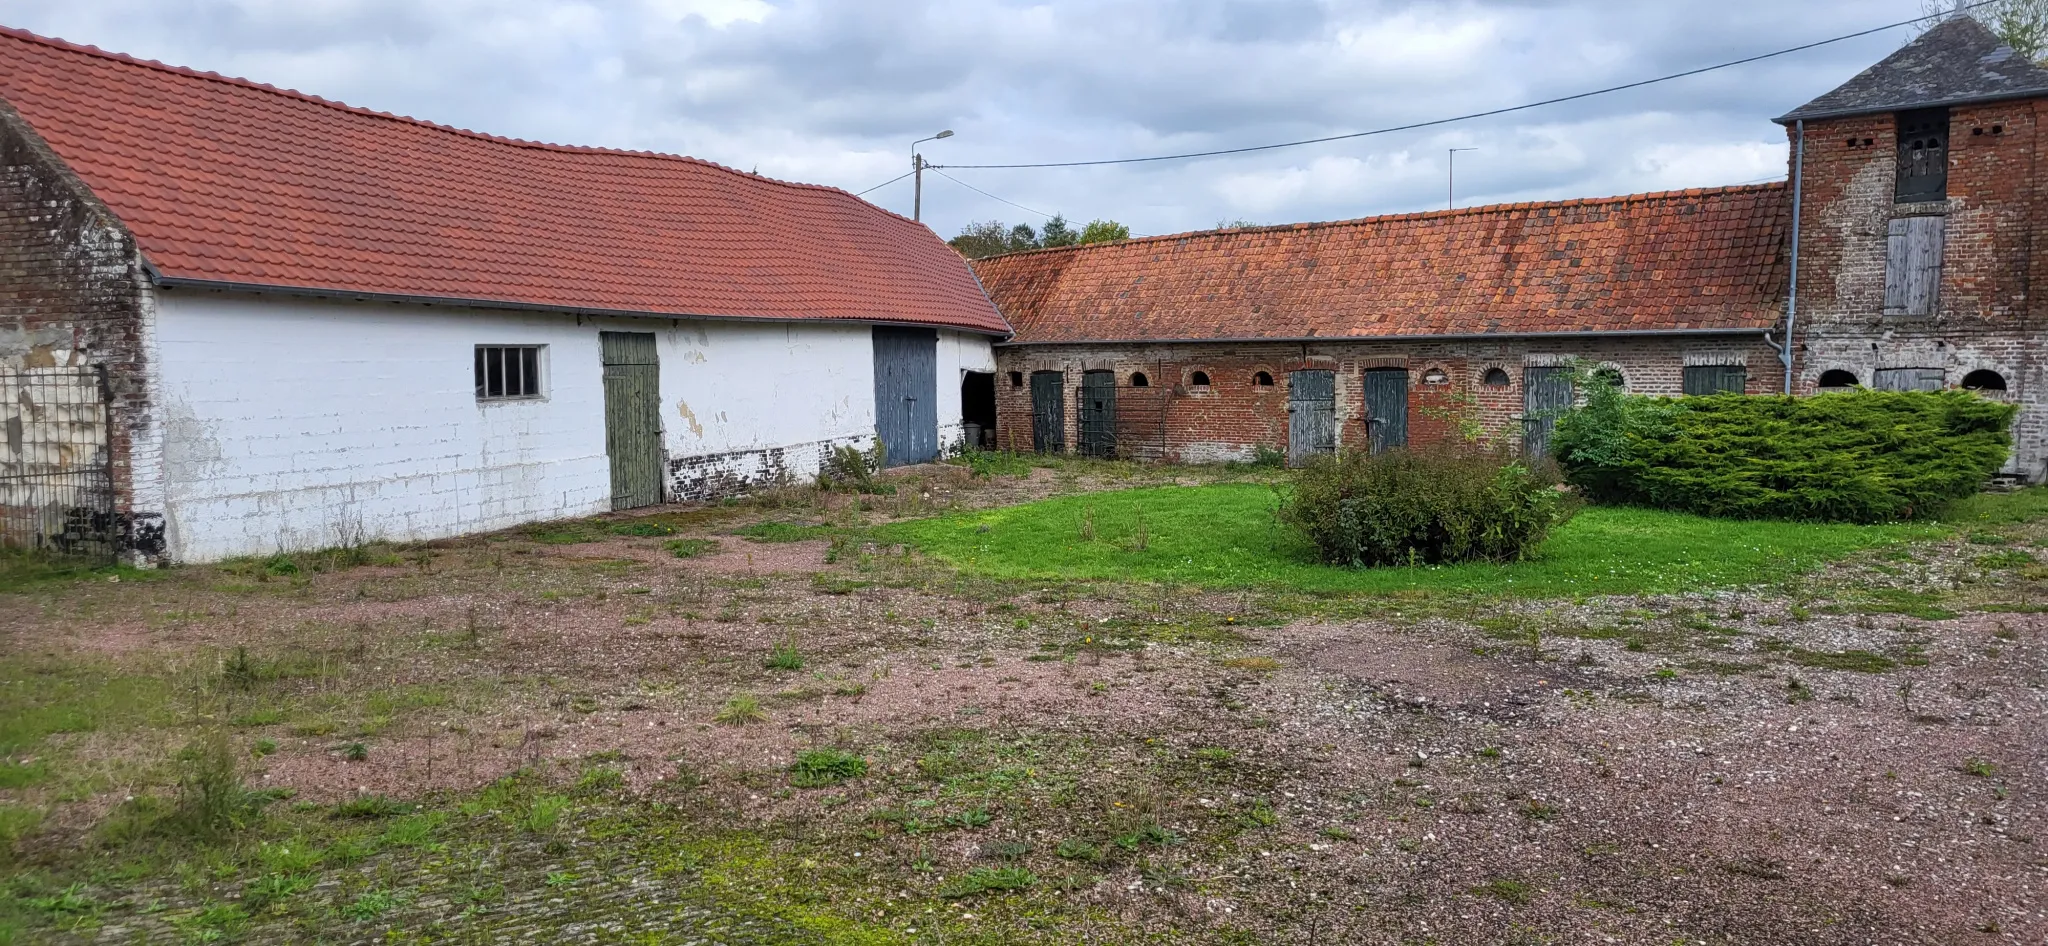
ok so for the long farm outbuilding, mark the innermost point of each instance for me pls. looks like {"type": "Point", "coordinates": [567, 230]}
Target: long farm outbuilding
{"type": "Point", "coordinates": [238, 319]}
{"type": "Point", "coordinates": [1912, 225]}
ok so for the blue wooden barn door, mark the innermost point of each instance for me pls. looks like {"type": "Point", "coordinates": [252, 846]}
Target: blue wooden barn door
{"type": "Point", "coordinates": [907, 394]}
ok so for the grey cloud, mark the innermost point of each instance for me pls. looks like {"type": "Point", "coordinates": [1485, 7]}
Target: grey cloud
{"type": "Point", "coordinates": [834, 92]}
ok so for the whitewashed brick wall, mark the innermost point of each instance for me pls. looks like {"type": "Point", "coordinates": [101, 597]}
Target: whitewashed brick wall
{"type": "Point", "coordinates": [292, 423]}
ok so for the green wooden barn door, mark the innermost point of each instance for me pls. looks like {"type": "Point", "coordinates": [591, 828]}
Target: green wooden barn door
{"type": "Point", "coordinates": [1098, 414]}
{"type": "Point", "coordinates": [1048, 412]}
{"type": "Point", "coordinates": [632, 417]}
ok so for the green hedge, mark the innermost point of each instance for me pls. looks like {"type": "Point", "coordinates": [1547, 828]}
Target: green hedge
{"type": "Point", "coordinates": [1856, 456]}
{"type": "Point", "coordinates": [1403, 508]}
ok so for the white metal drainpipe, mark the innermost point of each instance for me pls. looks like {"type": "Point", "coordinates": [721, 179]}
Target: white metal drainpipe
{"type": "Point", "coordinates": [1798, 192]}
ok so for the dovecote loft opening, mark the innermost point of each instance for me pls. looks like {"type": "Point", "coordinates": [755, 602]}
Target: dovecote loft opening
{"type": "Point", "coordinates": [1923, 156]}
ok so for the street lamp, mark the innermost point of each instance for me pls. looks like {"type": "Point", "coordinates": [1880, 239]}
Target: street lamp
{"type": "Point", "coordinates": [1451, 187]}
{"type": "Point", "coordinates": [917, 168]}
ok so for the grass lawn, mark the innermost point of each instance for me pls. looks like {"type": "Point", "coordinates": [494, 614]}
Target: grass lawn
{"type": "Point", "coordinates": [1226, 536]}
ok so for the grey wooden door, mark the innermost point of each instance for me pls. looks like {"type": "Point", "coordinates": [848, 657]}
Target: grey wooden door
{"type": "Point", "coordinates": [1386, 408]}
{"type": "Point", "coordinates": [1098, 414]}
{"type": "Point", "coordinates": [1049, 411]}
{"type": "Point", "coordinates": [907, 394]}
{"type": "Point", "coordinates": [1912, 270]}
{"type": "Point", "coordinates": [1311, 414]}
{"type": "Point", "coordinates": [1546, 393]}
{"type": "Point", "coordinates": [632, 417]}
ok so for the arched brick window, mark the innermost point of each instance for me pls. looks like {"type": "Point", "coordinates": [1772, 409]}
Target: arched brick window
{"type": "Point", "coordinates": [1263, 379]}
{"type": "Point", "coordinates": [1138, 380]}
{"type": "Point", "coordinates": [1495, 378]}
{"type": "Point", "coordinates": [1984, 379]}
{"type": "Point", "coordinates": [1837, 378]}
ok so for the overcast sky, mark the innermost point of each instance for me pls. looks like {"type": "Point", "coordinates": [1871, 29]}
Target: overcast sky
{"type": "Point", "coordinates": [833, 91]}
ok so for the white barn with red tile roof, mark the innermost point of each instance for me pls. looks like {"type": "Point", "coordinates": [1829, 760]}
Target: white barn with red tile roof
{"type": "Point", "coordinates": [239, 320]}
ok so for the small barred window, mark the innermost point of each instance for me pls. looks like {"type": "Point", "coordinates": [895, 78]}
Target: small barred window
{"type": "Point", "coordinates": [505, 372]}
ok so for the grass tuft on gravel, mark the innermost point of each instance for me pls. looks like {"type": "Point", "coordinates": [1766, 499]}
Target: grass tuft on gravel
{"type": "Point", "coordinates": [1227, 536]}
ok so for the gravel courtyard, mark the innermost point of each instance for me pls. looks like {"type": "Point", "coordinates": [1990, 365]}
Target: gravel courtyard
{"type": "Point", "coordinates": [691, 727]}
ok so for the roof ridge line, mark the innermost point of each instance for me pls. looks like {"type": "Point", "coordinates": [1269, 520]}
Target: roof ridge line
{"type": "Point", "coordinates": [1480, 210]}
{"type": "Point", "coordinates": [65, 45]}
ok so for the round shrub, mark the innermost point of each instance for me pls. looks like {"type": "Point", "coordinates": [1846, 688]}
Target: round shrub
{"type": "Point", "coordinates": [1411, 508]}
{"type": "Point", "coordinates": [1854, 456]}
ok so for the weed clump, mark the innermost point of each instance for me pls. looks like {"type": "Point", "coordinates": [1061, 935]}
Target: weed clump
{"type": "Point", "coordinates": [817, 768]}
{"type": "Point", "coordinates": [690, 548]}
{"type": "Point", "coordinates": [1423, 507]}
{"type": "Point", "coordinates": [645, 529]}
{"type": "Point", "coordinates": [988, 880]}
{"type": "Point", "coordinates": [989, 463]}
{"type": "Point", "coordinates": [742, 710]}
{"type": "Point", "coordinates": [855, 469]}
{"type": "Point", "coordinates": [785, 656]}
{"type": "Point", "coordinates": [212, 803]}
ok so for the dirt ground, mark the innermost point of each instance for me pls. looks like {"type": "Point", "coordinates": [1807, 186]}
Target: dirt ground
{"type": "Point", "coordinates": [1854, 758]}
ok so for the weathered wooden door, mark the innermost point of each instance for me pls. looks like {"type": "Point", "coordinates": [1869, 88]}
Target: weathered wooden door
{"type": "Point", "coordinates": [1049, 411]}
{"type": "Point", "coordinates": [1546, 393]}
{"type": "Point", "coordinates": [1311, 414]}
{"type": "Point", "coordinates": [1098, 414]}
{"type": "Point", "coordinates": [1386, 408]}
{"type": "Point", "coordinates": [632, 417]}
{"type": "Point", "coordinates": [907, 394]}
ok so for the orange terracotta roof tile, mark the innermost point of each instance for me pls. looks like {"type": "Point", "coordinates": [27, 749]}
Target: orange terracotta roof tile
{"type": "Point", "coordinates": [228, 181]}
{"type": "Point", "coordinates": [1702, 259]}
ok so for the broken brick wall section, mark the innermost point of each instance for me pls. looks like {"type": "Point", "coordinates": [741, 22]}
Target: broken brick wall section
{"type": "Point", "coordinates": [73, 295]}
{"type": "Point", "coordinates": [1232, 417]}
{"type": "Point", "coordinates": [1985, 317]}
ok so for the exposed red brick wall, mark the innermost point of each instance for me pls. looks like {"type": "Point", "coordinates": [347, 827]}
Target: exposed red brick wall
{"type": "Point", "coordinates": [72, 293]}
{"type": "Point", "coordinates": [1986, 315]}
{"type": "Point", "coordinates": [1233, 417]}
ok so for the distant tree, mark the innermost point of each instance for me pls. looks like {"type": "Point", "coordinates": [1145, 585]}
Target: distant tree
{"type": "Point", "coordinates": [982, 239]}
{"type": "Point", "coordinates": [1104, 231]}
{"type": "Point", "coordinates": [1058, 233]}
{"type": "Point", "coordinates": [1238, 224]}
{"type": "Point", "coordinates": [993, 238]}
{"type": "Point", "coordinates": [2021, 24]}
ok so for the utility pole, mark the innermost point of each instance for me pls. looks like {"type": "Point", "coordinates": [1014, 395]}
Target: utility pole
{"type": "Point", "coordinates": [917, 186]}
{"type": "Point", "coordinates": [917, 167]}
{"type": "Point", "coordinates": [1451, 187]}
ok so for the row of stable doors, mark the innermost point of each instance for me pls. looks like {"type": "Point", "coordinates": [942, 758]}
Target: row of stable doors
{"type": "Point", "coordinates": [1311, 410]}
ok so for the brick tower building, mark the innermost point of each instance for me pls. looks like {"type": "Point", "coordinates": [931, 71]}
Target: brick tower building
{"type": "Point", "coordinates": [1922, 202]}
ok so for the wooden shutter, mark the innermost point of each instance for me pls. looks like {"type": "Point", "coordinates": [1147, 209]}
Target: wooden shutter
{"type": "Point", "coordinates": [1907, 379]}
{"type": "Point", "coordinates": [1714, 379]}
{"type": "Point", "coordinates": [1912, 265]}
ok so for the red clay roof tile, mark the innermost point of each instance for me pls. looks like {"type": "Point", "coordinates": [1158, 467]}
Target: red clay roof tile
{"type": "Point", "coordinates": [226, 180]}
{"type": "Point", "coordinates": [1700, 259]}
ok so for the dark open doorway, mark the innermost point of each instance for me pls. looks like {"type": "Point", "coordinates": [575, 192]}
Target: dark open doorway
{"type": "Point", "coordinates": [978, 408]}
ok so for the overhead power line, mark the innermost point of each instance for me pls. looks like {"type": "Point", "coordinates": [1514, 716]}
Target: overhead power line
{"type": "Point", "coordinates": [984, 193]}
{"type": "Point", "coordinates": [888, 182]}
{"type": "Point", "coordinates": [1486, 114]}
